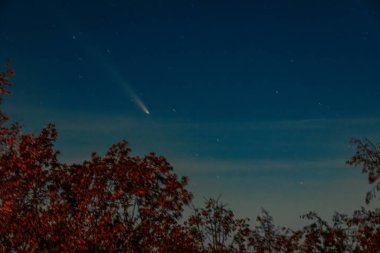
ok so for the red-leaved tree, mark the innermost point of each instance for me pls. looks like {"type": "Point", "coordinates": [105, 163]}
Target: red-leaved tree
{"type": "Point", "coordinates": [214, 228]}
{"type": "Point", "coordinates": [113, 203]}
{"type": "Point", "coordinates": [368, 156]}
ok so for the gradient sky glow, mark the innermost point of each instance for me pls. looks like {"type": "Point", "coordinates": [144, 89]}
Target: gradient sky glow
{"type": "Point", "coordinates": [254, 101]}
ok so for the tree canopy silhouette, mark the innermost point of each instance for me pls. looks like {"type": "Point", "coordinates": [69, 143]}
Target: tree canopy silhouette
{"type": "Point", "coordinates": [368, 156]}
{"type": "Point", "coordinates": [124, 203]}
{"type": "Point", "coordinates": [114, 203]}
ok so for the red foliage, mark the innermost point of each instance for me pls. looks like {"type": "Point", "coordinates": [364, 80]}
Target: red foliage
{"type": "Point", "coordinates": [214, 228]}
{"type": "Point", "coordinates": [368, 156]}
{"type": "Point", "coordinates": [4, 79]}
{"type": "Point", "coordinates": [112, 203]}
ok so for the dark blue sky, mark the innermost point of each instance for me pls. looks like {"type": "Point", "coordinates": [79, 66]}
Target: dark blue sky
{"type": "Point", "coordinates": [255, 101]}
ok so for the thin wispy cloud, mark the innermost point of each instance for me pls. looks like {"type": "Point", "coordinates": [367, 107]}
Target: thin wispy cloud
{"type": "Point", "coordinates": [210, 146]}
{"type": "Point", "coordinates": [219, 166]}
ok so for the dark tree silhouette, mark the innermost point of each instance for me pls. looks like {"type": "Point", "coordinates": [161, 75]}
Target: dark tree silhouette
{"type": "Point", "coordinates": [368, 156]}
{"type": "Point", "coordinates": [214, 228]}
{"type": "Point", "coordinates": [113, 203]}
{"type": "Point", "coordinates": [266, 237]}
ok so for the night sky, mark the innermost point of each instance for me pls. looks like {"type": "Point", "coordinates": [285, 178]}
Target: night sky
{"type": "Point", "coordinates": [255, 101]}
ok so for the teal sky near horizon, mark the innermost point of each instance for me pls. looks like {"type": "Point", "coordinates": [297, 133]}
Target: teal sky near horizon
{"type": "Point", "coordinates": [254, 101]}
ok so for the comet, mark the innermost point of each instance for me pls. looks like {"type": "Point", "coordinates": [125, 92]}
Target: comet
{"type": "Point", "coordinates": [118, 78]}
{"type": "Point", "coordinates": [136, 99]}
{"type": "Point", "coordinates": [104, 62]}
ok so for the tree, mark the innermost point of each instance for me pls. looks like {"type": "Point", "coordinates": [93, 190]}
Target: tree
{"type": "Point", "coordinates": [113, 203]}
{"type": "Point", "coordinates": [321, 236]}
{"type": "Point", "coordinates": [121, 202]}
{"type": "Point", "coordinates": [368, 156]}
{"type": "Point", "coordinates": [214, 228]}
{"type": "Point", "coordinates": [364, 230]}
{"type": "Point", "coordinates": [266, 237]}
{"type": "Point", "coordinates": [4, 82]}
